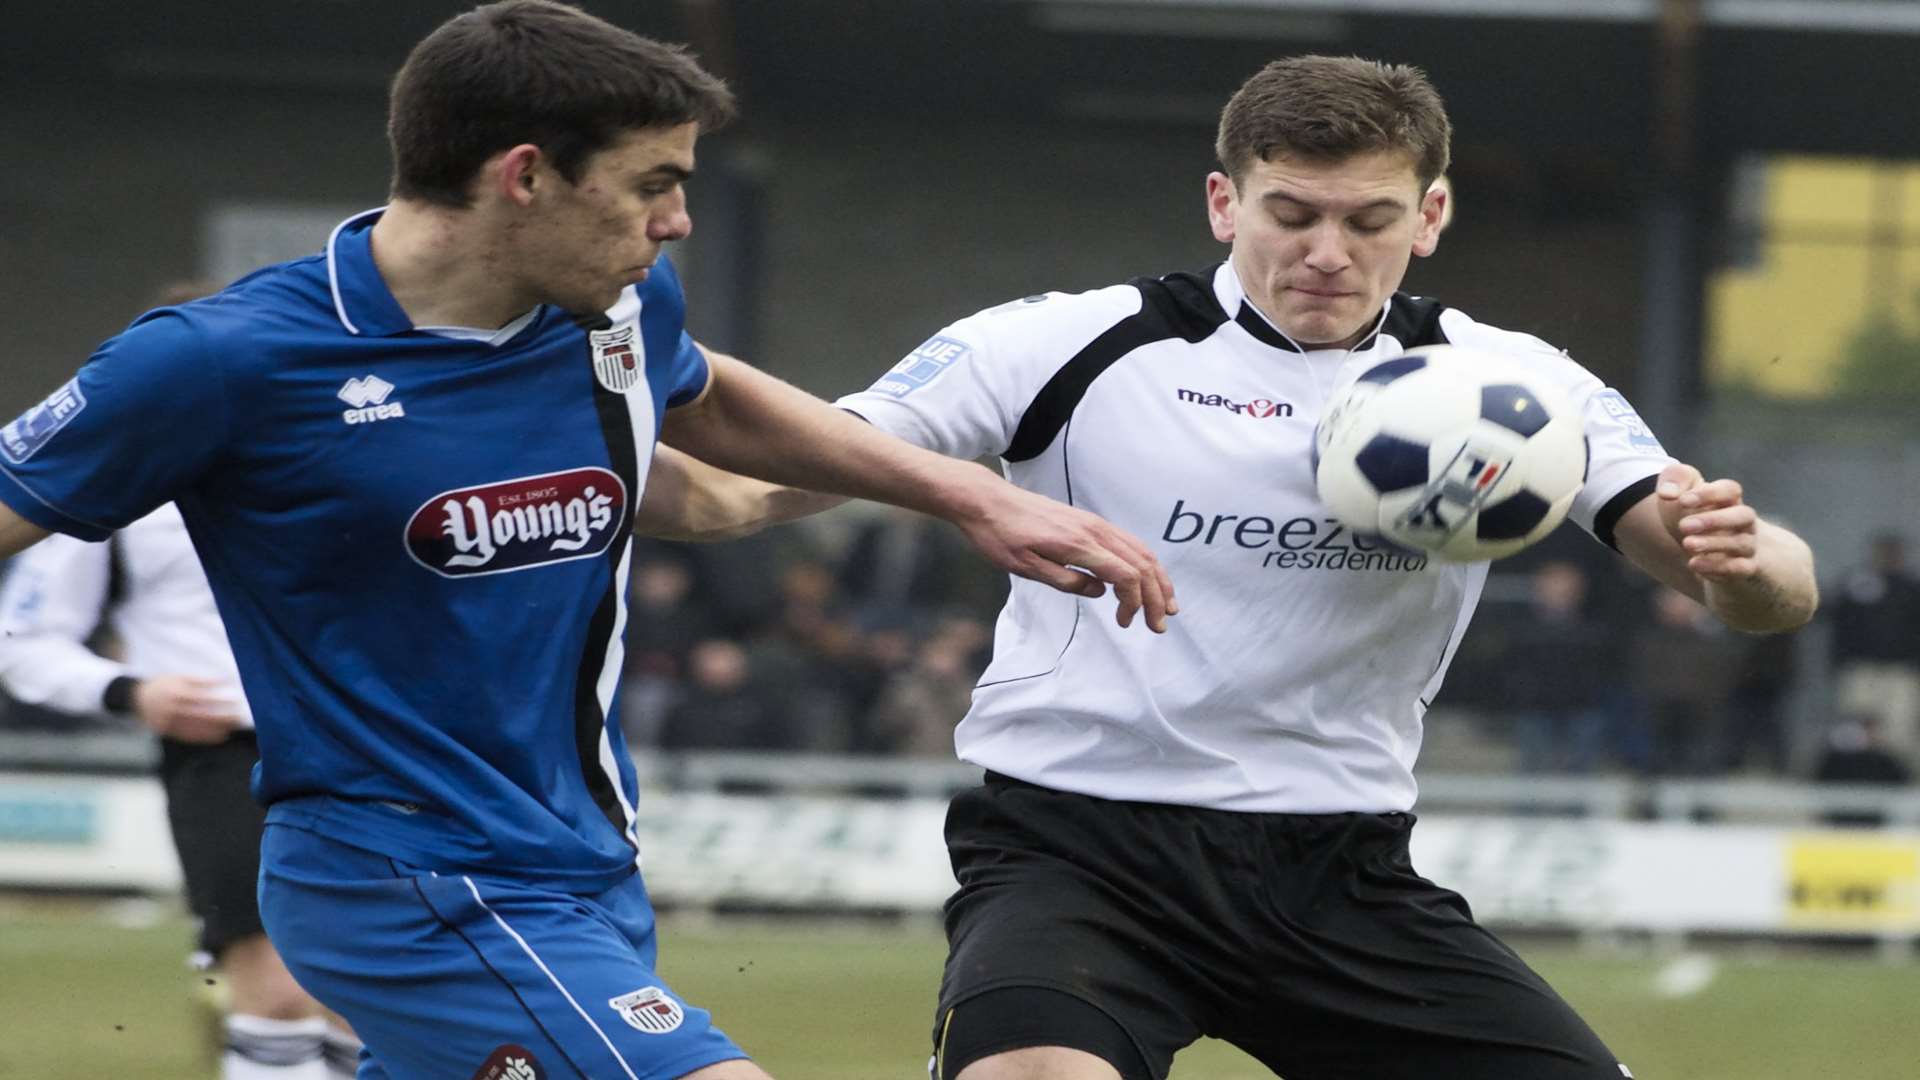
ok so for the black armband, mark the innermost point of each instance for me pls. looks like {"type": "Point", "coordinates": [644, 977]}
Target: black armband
{"type": "Point", "coordinates": [118, 696]}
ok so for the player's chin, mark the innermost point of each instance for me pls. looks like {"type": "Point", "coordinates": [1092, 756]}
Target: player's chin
{"type": "Point", "coordinates": [1315, 328]}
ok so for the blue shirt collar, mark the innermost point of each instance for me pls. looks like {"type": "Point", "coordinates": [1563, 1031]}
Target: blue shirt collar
{"type": "Point", "coordinates": [360, 296]}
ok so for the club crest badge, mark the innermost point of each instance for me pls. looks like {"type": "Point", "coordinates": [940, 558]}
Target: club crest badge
{"type": "Point", "coordinates": [617, 356]}
{"type": "Point", "coordinates": [649, 1009]}
{"type": "Point", "coordinates": [510, 1062]}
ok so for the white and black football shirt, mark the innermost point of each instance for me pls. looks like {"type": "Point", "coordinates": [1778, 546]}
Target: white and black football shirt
{"type": "Point", "coordinates": [146, 583]}
{"type": "Point", "coordinates": [1296, 676]}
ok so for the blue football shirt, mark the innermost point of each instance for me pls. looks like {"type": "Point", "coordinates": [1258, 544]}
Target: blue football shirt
{"type": "Point", "coordinates": [419, 542]}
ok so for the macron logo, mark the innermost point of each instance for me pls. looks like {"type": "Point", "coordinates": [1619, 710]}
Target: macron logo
{"type": "Point", "coordinates": [368, 397]}
{"type": "Point", "coordinates": [1258, 408]}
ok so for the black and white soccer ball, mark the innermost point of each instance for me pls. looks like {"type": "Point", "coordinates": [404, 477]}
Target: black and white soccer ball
{"type": "Point", "coordinates": [1461, 453]}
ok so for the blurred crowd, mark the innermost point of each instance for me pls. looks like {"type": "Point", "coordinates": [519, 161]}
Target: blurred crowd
{"type": "Point", "coordinates": [868, 643]}
{"type": "Point", "coordinates": [1585, 668]}
{"type": "Point", "coordinates": [867, 638]}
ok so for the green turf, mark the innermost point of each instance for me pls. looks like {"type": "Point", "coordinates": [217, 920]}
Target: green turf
{"type": "Point", "coordinates": [84, 999]}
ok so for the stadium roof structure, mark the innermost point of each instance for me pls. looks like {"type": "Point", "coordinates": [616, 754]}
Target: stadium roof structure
{"type": "Point", "coordinates": [1824, 76]}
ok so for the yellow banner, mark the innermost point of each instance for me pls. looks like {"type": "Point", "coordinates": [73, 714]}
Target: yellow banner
{"type": "Point", "coordinates": [1853, 884]}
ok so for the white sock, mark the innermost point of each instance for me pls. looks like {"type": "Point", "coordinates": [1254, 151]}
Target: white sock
{"type": "Point", "coordinates": [259, 1048]}
{"type": "Point", "coordinates": [342, 1052]}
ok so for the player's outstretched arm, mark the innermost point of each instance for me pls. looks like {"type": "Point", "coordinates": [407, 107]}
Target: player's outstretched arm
{"type": "Point", "coordinates": [17, 534]}
{"type": "Point", "coordinates": [1701, 538]}
{"type": "Point", "coordinates": [752, 423]}
{"type": "Point", "coordinates": [688, 499]}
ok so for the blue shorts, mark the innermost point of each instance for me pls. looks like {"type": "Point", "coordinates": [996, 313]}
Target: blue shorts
{"type": "Point", "coordinates": [451, 976]}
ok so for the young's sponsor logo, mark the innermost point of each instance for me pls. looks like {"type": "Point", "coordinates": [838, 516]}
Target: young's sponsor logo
{"type": "Point", "coordinates": [517, 524]}
{"type": "Point", "coordinates": [367, 398]}
{"type": "Point", "coordinates": [1258, 408]}
{"type": "Point", "coordinates": [649, 1009]}
{"type": "Point", "coordinates": [616, 357]}
{"type": "Point", "coordinates": [922, 366]}
{"type": "Point", "coordinates": [1296, 543]}
{"type": "Point", "coordinates": [24, 437]}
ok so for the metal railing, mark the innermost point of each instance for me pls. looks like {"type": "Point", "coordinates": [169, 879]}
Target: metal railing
{"type": "Point", "coordinates": [1743, 800]}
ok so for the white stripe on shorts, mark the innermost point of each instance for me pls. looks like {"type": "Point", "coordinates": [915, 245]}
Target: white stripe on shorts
{"type": "Point", "coordinates": [472, 888]}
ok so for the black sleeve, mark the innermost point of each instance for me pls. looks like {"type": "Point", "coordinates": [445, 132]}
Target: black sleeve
{"type": "Point", "coordinates": [1617, 507]}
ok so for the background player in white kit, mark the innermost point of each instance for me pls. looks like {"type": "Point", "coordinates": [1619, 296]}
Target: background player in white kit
{"type": "Point", "coordinates": [1206, 833]}
{"type": "Point", "coordinates": [177, 675]}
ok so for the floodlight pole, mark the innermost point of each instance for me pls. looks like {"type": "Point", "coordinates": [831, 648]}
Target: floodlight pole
{"type": "Point", "coordinates": [726, 255]}
{"type": "Point", "coordinates": [1671, 338]}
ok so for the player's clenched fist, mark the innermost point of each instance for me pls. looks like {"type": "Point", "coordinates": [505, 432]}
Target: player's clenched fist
{"type": "Point", "coordinates": [1718, 531]}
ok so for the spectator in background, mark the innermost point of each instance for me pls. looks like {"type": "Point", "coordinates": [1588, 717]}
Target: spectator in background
{"type": "Point", "coordinates": [1557, 667]}
{"type": "Point", "coordinates": [1856, 754]}
{"type": "Point", "coordinates": [724, 707]}
{"type": "Point", "coordinates": [1682, 673]}
{"type": "Point", "coordinates": [739, 580]}
{"type": "Point", "coordinates": [1757, 710]}
{"type": "Point", "coordinates": [1876, 644]}
{"type": "Point", "coordinates": [664, 624]}
{"type": "Point", "coordinates": [835, 665]}
{"type": "Point", "coordinates": [917, 712]}
{"type": "Point", "coordinates": [902, 567]}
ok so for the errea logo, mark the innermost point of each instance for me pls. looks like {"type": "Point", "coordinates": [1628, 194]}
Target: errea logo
{"type": "Point", "coordinates": [368, 397]}
{"type": "Point", "coordinates": [1258, 408]}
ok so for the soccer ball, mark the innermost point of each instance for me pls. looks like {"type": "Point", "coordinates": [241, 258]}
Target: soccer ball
{"type": "Point", "coordinates": [1461, 453]}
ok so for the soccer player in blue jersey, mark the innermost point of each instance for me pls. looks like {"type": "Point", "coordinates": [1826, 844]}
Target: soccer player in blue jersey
{"type": "Point", "coordinates": [412, 466]}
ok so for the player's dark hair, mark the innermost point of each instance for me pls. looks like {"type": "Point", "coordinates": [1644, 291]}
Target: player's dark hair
{"type": "Point", "coordinates": [1330, 108]}
{"type": "Point", "coordinates": [533, 71]}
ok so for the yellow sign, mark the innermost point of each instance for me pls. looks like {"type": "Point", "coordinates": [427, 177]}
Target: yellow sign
{"type": "Point", "coordinates": [1860, 884]}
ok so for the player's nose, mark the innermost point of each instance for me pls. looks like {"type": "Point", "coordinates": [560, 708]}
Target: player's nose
{"type": "Point", "coordinates": [1326, 249]}
{"type": "Point", "coordinates": [671, 222]}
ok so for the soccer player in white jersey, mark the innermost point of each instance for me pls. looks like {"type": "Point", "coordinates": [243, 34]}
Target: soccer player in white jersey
{"type": "Point", "coordinates": [425, 590]}
{"type": "Point", "coordinates": [1206, 833]}
{"type": "Point", "coordinates": [177, 675]}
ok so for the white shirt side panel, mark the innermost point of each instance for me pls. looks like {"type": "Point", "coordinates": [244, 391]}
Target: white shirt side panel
{"type": "Point", "coordinates": [51, 604]}
{"type": "Point", "coordinates": [963, 392]}
{"type": "Point", "coordinates": [1622, 449]}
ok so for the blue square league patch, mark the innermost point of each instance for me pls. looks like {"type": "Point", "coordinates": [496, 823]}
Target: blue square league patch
{"type": "Point", "coordinates": [26, 435]}
{"type": "Point", "coordinates": [921, 366]}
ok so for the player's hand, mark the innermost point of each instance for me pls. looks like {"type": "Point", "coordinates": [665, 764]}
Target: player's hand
{"type": "Point", "coordinates": [187, 709]}
{"type": "Point", "coordinates": [1717, 530]}
{"type": "Point", "coordinates": [1071, 550]}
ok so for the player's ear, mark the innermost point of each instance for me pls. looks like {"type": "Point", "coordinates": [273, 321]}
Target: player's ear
{"type": "Point", "coordinates": [515, 174]}
{"type": "Point", "coordinates": [1436, 212]}
{"type": "Point", "coordinates": [1222, 200]}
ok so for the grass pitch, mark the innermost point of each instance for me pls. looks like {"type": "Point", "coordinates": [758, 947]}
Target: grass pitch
{"type": "Point", "coordinates": [88, 993]}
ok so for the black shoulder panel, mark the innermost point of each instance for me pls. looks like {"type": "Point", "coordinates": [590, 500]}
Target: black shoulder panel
{"type": "Point", "coordinates": [1175, 306]}
{"type": "Point", "coordinates": [1413, 321]}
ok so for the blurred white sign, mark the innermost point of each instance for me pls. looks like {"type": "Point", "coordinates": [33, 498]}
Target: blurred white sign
{"type": "Point", "coordinates": [239, 238]}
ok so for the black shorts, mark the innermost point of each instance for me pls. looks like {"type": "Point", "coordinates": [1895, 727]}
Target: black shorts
{"type": "Point", "coordinates": [216, 829]}
{"type": "Point", "coordinates": [1307, 940]}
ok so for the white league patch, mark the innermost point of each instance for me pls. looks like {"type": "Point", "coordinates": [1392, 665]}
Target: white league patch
{"type": "Point", "coordinates": [921, 366]}
{"type": "Point", "coordinates": [26, 435]}
{"type": "Point", "coordinates": [649, 1009]}
{"type": "Point", "coordinates": [1621, 412]}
